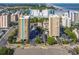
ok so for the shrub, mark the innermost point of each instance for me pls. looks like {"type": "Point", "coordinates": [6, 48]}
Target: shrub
{"type": "Point", "coordinates": [6, 51]}
{"type": "Point", "coordinates": [65, 42]}
{"type": "Point", "coordinates": [38, 40]}
{"type": "Point", "coordinates": [51, 41]}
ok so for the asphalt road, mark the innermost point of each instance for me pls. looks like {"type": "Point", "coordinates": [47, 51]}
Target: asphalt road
{"type": "Point", "coordinates": [3, 40]}
{"type": "Point", "coordinates": [40, 51]}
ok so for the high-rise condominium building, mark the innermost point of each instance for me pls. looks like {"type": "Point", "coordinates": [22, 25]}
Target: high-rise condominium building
{"type": "Point", "coordinates": [73, 16]}
{"type": "Point", "coordinates": [45, 13]}
{"type": "Point", "coordinates": [14, 17]}
{"type": "Point", "coordinates": [65, 21]}
{"type": "Point", "coordinates": [76, 17]}
{"type": "Point", "coordinates": [4, 20]}
{"type": "Point", "coordinates": [54, 25]}
{"type": "Point", "coordinates": [35, 13]}
{"type": "Point", "coordinates": [23, 28]}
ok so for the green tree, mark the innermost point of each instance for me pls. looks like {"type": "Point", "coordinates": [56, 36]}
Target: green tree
{"type": "Point", "coordinates": [71, 34]}
{"type": "Point", "coordinates": [34, 20]}
{"type": "Point", "coordinates": [12, 38]}
{"type": "Point", "coordinates": [40, 29]}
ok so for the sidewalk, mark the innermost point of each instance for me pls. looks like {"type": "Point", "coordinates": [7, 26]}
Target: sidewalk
{"type": "Point", "coordinates": [37, 46]}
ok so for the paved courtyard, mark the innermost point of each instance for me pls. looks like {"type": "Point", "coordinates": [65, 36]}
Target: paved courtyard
{"type": "Point", "coordinates": [51, 50]}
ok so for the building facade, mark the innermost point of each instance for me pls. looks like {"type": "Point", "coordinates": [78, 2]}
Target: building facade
{"type": "Point", "coordinates": [4, 20]}
{"type": "Point", "coordinates": [65, 21]}
{"type": "Point", "coordinates": [14, 17]}
{"type": "Point", "coordinates": [76, 17]}
{"type": "Point", "coordinates": [23, 28]}
{"type": "Point", "coordinates": [35, 13]}
{"type": "Point", "coordinates": [54, 25]}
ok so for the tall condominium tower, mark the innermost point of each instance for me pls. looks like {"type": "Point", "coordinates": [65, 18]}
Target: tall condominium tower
{"type": "Point", "coordinates": [23, 28]}
{"type": "Point", "coordinates": [65, 21]}
{"type": "Point", "coordinates": [4, 20]}
{"type": "Point", "coordinates": [76, 17]}
{"type": "Point", "coordinates": [14, 17]}
{"type": "Point", "coordinates": [54, 25]}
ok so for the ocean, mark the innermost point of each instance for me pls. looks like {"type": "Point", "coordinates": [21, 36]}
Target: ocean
{"type": "Point", "coordinates": [70, 6]}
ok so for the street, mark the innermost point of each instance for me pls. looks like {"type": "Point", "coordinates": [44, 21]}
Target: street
{"type": "Point", "coordinates": [3, 40]}
{"type": "Point", "coordinates": [50, 50]}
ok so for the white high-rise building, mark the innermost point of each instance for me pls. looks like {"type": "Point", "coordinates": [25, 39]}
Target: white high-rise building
{"type": "Point", "coordinates": [66, 21]}
{"type": "Point", "coordinates": [66, 14]}
{"type": "Point", "coordinates": [63, 21]}
{"type": "Point", "coordinates": [35, 13]}
{"type": "Point", "coordinates": [45, 13]}
{"type": "Point", "coordinates": [73, 15]}
{"type": "Point", "coordinates": [38, 13]}
{"type": "Point", "coordinates": [76, 17]}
